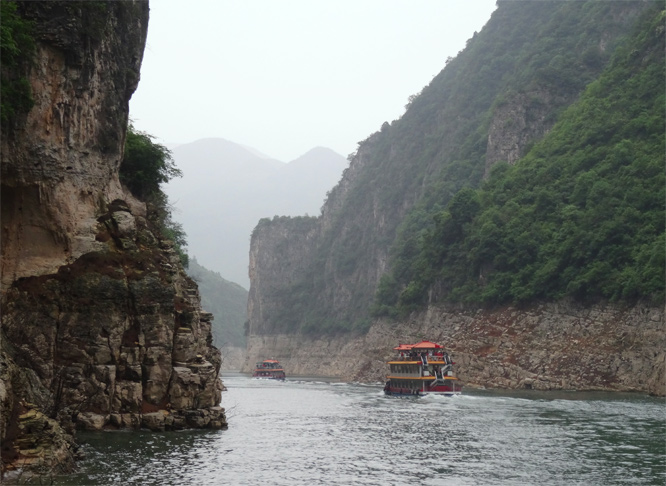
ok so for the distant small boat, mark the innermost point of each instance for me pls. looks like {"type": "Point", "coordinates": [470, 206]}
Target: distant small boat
{"type": "Point", "coordinates": [421, 369]}
{"type": "Point", "coordinates": [269, 369]}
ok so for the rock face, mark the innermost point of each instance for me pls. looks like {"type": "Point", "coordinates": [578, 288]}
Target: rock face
{"type": "Point", "coordinates": [547, 347]}
{"type": "Point", "coordinates": [101, 327]}
{"type": "Point", "coordinates": [282, 242]}
{"type": "Point", "coordinates": [518, 122]}
{"type": "Point", "coordinates": [119, 331]}
{"type": "Point", "coordinates": [61, 160]}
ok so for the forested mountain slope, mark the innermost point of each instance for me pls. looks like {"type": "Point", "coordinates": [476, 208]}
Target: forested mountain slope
{"type": "Point", "coordinates": [581, 215]}
{"type": "Point", "coordinates": [569, 92]}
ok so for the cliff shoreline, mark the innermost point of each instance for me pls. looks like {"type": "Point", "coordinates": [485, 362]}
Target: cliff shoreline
{"type": "Point", "coordinates": [557, 346]}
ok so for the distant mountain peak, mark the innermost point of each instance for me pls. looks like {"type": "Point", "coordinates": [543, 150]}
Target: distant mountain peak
{"type": "Point", "coordinates": [227, 188]}
{"type": "Point", "coordinates": [256, 152]}
{"type": "Point", "coordinates": [320, 156]}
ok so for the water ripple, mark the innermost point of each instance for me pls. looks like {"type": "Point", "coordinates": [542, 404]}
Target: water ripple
{"type": "Point", "coordinates": [313, 432]}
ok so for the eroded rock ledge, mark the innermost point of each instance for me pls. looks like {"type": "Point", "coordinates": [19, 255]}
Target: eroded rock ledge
{"type": "Point", "coordinates": [116, 339]}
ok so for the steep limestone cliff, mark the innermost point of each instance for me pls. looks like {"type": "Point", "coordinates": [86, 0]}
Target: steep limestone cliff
{"type": "Point", "coordinates": [100, 325]}
{"type": "Point", "coordinates": [274, 247]}
{"type": "Point", "coordinates": [60, 161]}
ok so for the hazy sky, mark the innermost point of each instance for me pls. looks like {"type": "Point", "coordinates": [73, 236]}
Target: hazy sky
{"type": "Point", "coordinates": [284, 76]}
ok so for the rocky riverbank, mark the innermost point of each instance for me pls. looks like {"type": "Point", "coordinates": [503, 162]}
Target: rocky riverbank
{"type": "Point", "coordinates": [560, 346]}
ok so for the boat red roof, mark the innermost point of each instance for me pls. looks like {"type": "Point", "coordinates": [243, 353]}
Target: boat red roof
{"type": "Point", "coordinates": [426, 345]}
{"type": "Point", "coordinates": [421, 345]}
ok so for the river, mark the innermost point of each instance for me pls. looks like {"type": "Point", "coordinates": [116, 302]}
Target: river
{"type": "Point", "coordinates": [308, 431]}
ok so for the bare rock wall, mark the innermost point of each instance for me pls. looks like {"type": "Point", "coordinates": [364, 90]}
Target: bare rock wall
{"type": "Point", "coordinates": [550, 346]}
{"type": "Point", "coordinates": [61, 159]}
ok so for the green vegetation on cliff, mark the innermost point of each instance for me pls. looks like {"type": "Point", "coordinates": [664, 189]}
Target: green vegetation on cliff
{"type": "Point", "coordinates": [581, 215]}
{"type": "Point", "coordinates": [432, 207]}
{"type": "Point", "coordinates": [16, 47]}
{"type": "Point", "coordinates": [145, 165]}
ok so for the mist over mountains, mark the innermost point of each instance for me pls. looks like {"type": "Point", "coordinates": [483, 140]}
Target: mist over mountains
{"type": "Point", "coordinates": [227, 188]}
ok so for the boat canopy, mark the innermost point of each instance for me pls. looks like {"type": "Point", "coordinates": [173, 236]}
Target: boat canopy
{"type": "Point", "coordinates": [426, 345]}
{"type": "Point", "coordinates": [421, 345]}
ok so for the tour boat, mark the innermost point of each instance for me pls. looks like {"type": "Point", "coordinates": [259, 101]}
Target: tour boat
{"type": "Point", "coordinates": [421, 369]}
{"type": "Point", "coordinates": [269, 369]}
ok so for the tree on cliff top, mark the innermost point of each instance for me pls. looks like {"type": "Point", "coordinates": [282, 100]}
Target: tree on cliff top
{"type": "Point", "coordinates": [144, 167]}
{"type": "Point", "coordinates": [146, 164]}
